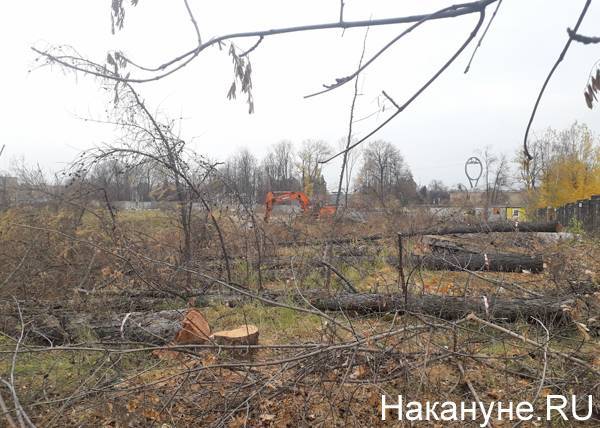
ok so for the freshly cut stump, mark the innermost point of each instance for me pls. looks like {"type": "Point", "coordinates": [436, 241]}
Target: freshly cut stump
{"type": "Point", "coordinates": [246, 334]}
{"type": "Point", "coordinates": [194, 329]}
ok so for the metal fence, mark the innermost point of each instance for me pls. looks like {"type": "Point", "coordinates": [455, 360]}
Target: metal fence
{"type": "Point", "coordinates": [585, 212]}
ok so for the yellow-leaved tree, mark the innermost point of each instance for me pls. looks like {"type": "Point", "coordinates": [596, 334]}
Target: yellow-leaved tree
{"type": "Point", "coordinates": [569, 167]}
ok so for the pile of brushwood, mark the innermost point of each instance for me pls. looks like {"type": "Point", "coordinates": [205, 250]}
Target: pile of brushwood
{"type": "Point", "coordinates": [468, 315]}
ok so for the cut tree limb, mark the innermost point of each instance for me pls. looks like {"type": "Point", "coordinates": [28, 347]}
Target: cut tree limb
{"type": "Point", "coordinates": [578, 361]}
{"type": "Point", "coordinates": [479, 262]}
{"type": "Point", "coordinates": [551, 309]}
{"type": "Point", "coordinates": [488, 228]}
{"type": "Point", "coordinates": [441, 245]}
{"type": "Point", "coordinates": [161, 327]}
{"type": "Point", "coordinates": [158, 327]}
{"type": "Point", "coordinates": [148, 327]}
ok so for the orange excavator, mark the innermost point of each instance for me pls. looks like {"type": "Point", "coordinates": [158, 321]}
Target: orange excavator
{"type": "Point", "coordinates": [307, 208]}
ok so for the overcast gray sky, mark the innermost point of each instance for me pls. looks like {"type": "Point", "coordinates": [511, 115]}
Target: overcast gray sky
{"type": "Point", "coordinates": [40, 111]}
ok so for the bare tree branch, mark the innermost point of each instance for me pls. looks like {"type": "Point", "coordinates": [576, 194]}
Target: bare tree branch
{"type": "Point", "coordinates": [185, 58]}
{"type": "Point", "coordinates": [483, 36]}
{"type": "Point", "coordinates": [552, 70]}
{"type": "Point", "coordinates": [420, 91]}
{"type": "Point", "coordinates": [586, 40]}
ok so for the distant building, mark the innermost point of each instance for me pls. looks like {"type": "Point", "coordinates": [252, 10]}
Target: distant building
{"type": "Point", "coordinates": [509, 206]}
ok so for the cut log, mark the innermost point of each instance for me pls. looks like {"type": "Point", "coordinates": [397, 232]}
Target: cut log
{"type": "Point", "coordinates": [480, 262]}
{"type": "Point", "coordinates": [497, 262]}
{"type": "Point", "coordinates": [440, 245]}
{"type": "Point", "coordinates": [488, 228]}
{"type": "Point", "coordinates": [246, 334]}
{"type": "Point", "coordinates": [194, 329]}
{"type": "Point", "coordinates": [148, 327]}
{"type": "Point", "coordinates": [160, 327]}
{"type": "Point", "coordinates": [335, 241]}
{"type": "Point", "coordinates": [551, 310]}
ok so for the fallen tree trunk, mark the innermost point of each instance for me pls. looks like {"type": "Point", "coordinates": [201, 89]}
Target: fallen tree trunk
{"type": "Point", "coordinates": [158, 327]}
{"type": "Point", "coordinates": [440, 245]}
{"type": "Point", "coordinates": [161, 327]}
{"type": "Point", "coordinates": [551, 310]}
{"type": "Point", "coordinates": [488, 228]}
{"type": "Point", "coordinates": [480, 262]}
{"type": "Point", "coordinates": [335, 241]}
{"type": "Point", "coordinates": [148, 327]}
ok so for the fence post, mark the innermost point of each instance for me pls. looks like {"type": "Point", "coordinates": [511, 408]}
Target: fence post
{"type": "Point", "coordinates": [560, 215]}
{"type": "Point", "coordinates": [570, 213]}
{"type": "Point", "coordinates": [595, 213]}
{"type": "Point", "coordinates": [584, 214]}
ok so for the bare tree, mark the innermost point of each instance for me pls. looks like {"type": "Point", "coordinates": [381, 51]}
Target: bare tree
{"type": "Point", "coordinates": [146, 141]}
{"type": "Point", "coordinates": [385, 174]}
{"type": "Point", "coordinates": [242, 171]}
{"type": "Point", "coordinates": [278, 168]}
{"type": "Point", "coordinates": [119, 66]}
{"type": "Point", "coordinates": [436, 192]}
{"type": "Point", "coordinates": [495, 174]}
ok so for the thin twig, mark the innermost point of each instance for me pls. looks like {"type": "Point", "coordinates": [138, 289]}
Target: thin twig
{"type": "Point", "coordinates": [258, 42]}
{"type": "Point", "coordinates": [194, 23]}
{"type": "Point", "coordinates": [6, 412]}
{"type": "Point", "coordinates": [483, 36]}
{"type": "Point", "coordinates": [419, 91]}
{"type": "Point", "coordinates": [544, 369]}
{"type": "Point", "coordinates": [578, 361]}
{"type": "Point", "coordinates": [471, 388]}
{"type": "Point", "coordinates": [184, 59]}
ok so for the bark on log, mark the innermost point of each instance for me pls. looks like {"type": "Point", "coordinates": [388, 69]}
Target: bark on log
{"type": "Point", "coordinates": [63, 326]}
{"type": "Point", "coordinates": [336, 241]}
{"type": "Point", "coordinates": [440, 245]}
{"type": "Point", "coordinates": [481, 262]}
{"type": "Point", "coordinates": [551, 310]}
{"type": "Point", "coordinates": [488, 228]}
{"type": "Point", "coordinates": [161, 327]}
{"type": "Point", "coordinates": [158, 327]}
{"type": "Point", "coordinates": [497, 262]}
{"type": "Point", "coordinates": [148, 327]}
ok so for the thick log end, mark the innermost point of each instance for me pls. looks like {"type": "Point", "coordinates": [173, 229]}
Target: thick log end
{"type": "Point", "coordinates": [246, 334]}
{"type": "Point", "coordinates": [194, 329]}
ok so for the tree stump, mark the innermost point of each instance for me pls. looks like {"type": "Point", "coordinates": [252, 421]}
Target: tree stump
{"type": "Point", "coordinates": [246, 334]}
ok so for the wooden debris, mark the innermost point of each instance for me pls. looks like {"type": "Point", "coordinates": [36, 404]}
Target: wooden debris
{"type": "Point", "coordinates": [552, 310]}
{"type": "Point", "coordinates": [481, 262]}
{"type": "Point", "coordinates": [194, 329]}
{"type": "Point", "coordinates": [488, 228]}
